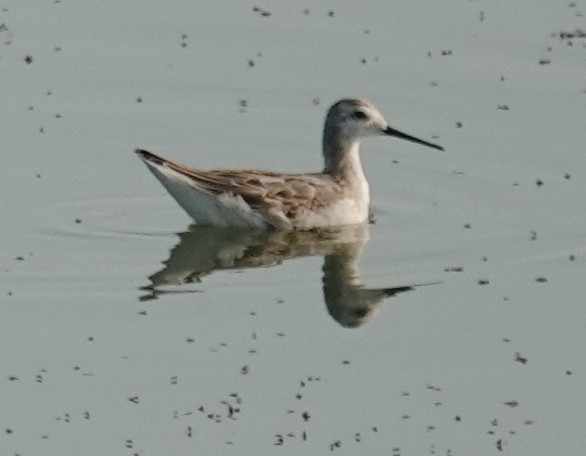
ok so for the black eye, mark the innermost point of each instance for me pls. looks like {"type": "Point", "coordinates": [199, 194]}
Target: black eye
{"type": "Point", "coordinates": [359, 115]}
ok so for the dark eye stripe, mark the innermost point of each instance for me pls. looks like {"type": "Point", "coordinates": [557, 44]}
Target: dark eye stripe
{"type": "Point", "coordinates": [359, 115]}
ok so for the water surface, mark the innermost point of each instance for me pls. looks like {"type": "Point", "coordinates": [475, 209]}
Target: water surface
{"type": "Point", "coordinates": [120, 335]}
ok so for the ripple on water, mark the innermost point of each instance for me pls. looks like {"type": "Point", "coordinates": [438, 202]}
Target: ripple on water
{"type": "Point", "coordinates": [112, 219]}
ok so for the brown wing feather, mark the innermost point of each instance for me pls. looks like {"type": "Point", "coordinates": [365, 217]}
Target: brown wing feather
{"type": "Point", "coordinates": [291, 194]}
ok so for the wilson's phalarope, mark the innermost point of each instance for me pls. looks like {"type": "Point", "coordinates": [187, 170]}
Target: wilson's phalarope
{"type": "Point", "coordinates": [259, 199]}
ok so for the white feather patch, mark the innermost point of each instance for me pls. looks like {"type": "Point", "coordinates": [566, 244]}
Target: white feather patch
{"type": "Point", "coordinates": [225, 209]}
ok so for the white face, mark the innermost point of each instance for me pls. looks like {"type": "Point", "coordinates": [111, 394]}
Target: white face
{"type": "Point", "coordinates": [353, 118]}
{"type": "Point", "coordinates": [358, 118]}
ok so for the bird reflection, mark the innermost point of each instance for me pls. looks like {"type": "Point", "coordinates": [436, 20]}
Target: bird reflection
{"type": "Point", "coordinates": [202, 250]}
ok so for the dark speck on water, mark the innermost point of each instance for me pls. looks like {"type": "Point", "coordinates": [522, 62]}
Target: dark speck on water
{"type": "Point", "coordinates": [520, 359]}
{"type": "Point", "coordinates": [262, 12]}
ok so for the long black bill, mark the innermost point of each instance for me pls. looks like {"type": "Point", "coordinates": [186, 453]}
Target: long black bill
{"type": "Point", "coordinates": [399, 134]}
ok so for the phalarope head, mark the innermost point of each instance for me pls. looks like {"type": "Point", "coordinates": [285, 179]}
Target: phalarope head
{"type": "Point", "coordinates": [354, 118]}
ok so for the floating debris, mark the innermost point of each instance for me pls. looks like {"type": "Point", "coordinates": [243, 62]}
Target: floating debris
{"type": "Point", "coordinates": [568, 36]}
{"type": "Point", "coordinates": [336, 444]}
{"type": "Point", "coordinates": [433, 387]}
{"type": "Point", "coordinates": [262, 12]}
{"type": "Point", "coordinates": [520, 359]}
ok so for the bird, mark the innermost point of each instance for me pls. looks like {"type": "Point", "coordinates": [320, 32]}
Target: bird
{"type": "Point", "coordinates": [339, 195]}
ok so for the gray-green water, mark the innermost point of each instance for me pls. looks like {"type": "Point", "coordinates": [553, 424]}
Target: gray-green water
{"type": "Point", "coordinates": [251, 360]}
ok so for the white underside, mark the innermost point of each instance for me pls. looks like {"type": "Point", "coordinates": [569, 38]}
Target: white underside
{"type": "Point", "coordinates": [347, 211]}
{"type": "Point", "coordinates": [225, 210]}
{"type": "Point", "coordinates": [228, 210]}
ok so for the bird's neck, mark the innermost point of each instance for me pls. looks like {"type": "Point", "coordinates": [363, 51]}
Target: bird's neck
{"type": "Point", "coordinates": [342, 164]}
{"type": "Point", "coordinates": [342, 159]}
